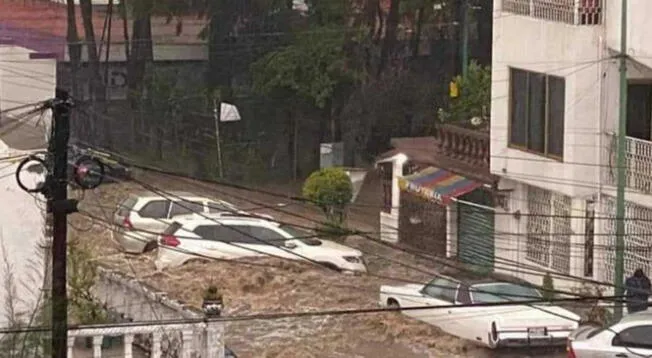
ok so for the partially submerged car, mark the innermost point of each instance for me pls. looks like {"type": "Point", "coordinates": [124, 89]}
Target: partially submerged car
{"type": "Point", "coordinates": [514, 324]}
{"type": "Point", "coordinates": [233, 237]}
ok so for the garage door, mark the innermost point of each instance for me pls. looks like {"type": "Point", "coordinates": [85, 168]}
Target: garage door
{"type": "Point", "coordinates": [475, 228]}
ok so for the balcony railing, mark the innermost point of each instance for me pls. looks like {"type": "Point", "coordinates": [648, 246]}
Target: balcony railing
{"type": "Point", "coordinates": [574, 12]}
{"type": "Point", "coordinates": [638, 156]}
{"type": "Point", "coordinates": [199, 340]}
{"type": "Point", "coordinates": [466, 145]}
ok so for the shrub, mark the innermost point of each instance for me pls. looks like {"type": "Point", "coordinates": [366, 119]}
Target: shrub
{"type": "Point", "coordinates": [548, 287]}
{"type": "Point", "coordinates": [331, 190]}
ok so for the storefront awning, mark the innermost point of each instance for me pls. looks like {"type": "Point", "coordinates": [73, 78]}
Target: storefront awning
{"type": "Point", "coordinates": [437, 184]}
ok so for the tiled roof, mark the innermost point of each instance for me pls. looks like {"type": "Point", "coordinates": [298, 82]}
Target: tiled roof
{"type": "Point", "coordinates": [42, 26]}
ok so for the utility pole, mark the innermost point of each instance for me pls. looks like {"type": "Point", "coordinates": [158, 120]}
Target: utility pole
{"type": "Point", "coordinates": [621, 168]}
{"type": "Point", "coordinates": [217, 109]}
{"type": "Point", "coordinates": [465, 37]}
{"type": "Point", "coordinates": [60, 206]}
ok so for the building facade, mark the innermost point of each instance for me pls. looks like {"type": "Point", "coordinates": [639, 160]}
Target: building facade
{"type": "Point", "coordinates": [439, 195]}
{"type": "Point", "coordinates": [555, 104]}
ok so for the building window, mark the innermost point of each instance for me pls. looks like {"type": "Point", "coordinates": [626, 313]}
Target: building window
{"type": "Point", "coordinates": [584, 12]}
{"type": "Point", "coordinates": [386, 174]}
{"type": "Point", "coordinates": [537, 110]}
{"type": "Point", "coordinates": [548, 236]}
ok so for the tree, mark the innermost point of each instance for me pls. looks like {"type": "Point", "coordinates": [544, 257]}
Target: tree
{"type": "Point", "coordinates": [314, 69]}
{"type": "Point", "coordinates": [331, 190]}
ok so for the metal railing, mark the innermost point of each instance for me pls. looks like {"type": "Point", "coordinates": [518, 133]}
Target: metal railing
{"type": "Point", "coordinates": [638, 159]}
{"type": "Point", "coordinates": [574, 12]}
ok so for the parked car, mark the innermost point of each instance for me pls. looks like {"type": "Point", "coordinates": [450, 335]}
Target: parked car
{"type": "Point", "coordinates": [231, 237]}
{"type": "Point", "coordinates": [510, 325]}
{"type": "Point", "coordinates": [141, 217]}
{"type": "Point", "coordinates": [114, 170]}
{"type": "Point", "coordinates": [629, 337]}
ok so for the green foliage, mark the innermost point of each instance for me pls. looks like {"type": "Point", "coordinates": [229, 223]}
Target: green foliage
{"type": "Point", "coordinates": [82, 274]}
{"type": "Point", "coordinates": [331, 190]}
{"type": "Point", "coordinates": [311, 68]}
{"type": "Point", "coordinates": [548, 287]}
{"type": "Point", "coordinates": [474, 95]}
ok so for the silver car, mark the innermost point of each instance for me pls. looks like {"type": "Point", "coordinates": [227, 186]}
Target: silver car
{"type": "Point", "coordinates": [629, 337]}
{"type": "Point", "coordinates": [140, 217]}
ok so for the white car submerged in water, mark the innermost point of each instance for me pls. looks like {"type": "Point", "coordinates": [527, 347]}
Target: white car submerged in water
{"type": "Point", "coordinates": [509, 325]}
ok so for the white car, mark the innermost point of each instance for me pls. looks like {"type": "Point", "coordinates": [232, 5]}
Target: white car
{"type": "Point", "coordinates": [630, 337]}
{"type": "Point", "coordinates": [141, 217]}
{"type": "Point", "coordinates": [234, 237]}
{"type": "Point", "coordinates": [510, 325]}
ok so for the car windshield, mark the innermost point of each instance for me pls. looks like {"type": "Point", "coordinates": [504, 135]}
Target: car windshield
{"type": "Point", "coordinates": [304, 236]}
{"type": "Point", "coordinates": [503, 292]}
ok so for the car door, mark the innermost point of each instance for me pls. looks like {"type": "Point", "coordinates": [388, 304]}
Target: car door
{"type": "Point", "coordinates": [152, 217]}
{"type": "Point", "coordinates": [631, 342]}
{"type": "Point", "coordinates": [224, 241]}
{"type": "Point", "coordinates": [438, 292]}
{"type": "Point", "coordinates": [468, 320]}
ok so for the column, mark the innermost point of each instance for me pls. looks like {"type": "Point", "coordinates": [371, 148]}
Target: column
{"type": "Point", "coordinates": [215, 340]}
{"type": "Point", "coordinates": [156, 344]}
{"type": "Point", "coordinates": [71, 347]}
{"type": "Point", "coordinates": [187, 347]}
{"type": "Point", "coordinates": [97, 346]}
{"type": "Point", "coordinates": [128, 341]}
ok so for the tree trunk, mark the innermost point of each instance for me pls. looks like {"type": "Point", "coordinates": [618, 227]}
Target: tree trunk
{"type": "Point", "coordinates": [390, 35]}
{"type": "Point", "coordinates": [416, 39]}
{"type": "Point", "coordinates": [141, 50]}
{"type": "Point", "coordinates": [74, 53]}
{"type": "Point", "coordinates": [96, 88]}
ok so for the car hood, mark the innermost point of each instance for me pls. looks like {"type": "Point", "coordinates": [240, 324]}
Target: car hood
{"type": "Point", "coordinates": [523, 316]}
{"type": "Point", "coordinates": [335, 248]}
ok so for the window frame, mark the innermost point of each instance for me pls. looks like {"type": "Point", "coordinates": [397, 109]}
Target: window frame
{"type": "Point", "coordinates": [184, 205]}
{"type": "Point", "coordinates": [546, 115]}
{"type": "Point", "coordinates": [439, 295]}
{"type": "Point", "coordinates": [618, 342]}
{"type": "Point", "coordinates": [386, 170]}
{"type": "Point", "coordinates": [167, 209]}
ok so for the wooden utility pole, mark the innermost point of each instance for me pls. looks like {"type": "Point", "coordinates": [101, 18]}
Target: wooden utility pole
{"type": "Point", "coordinates": [60, 207]}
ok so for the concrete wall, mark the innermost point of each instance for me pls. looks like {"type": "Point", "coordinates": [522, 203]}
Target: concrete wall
{"type": "Point", "coordinates": [140, 302]}
{"type": "Point", "coordinates": [511, 241]}
{"type": "Point", "coordinates": [23, 79]}
{"type": "Point", "coordinates": [638, 16]}
{"type": "Point", "coordinates": [389, 221]}
{"type": "Point", "coordinates": [557, 49]}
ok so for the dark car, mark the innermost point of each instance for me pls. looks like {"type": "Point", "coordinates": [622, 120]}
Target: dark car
{"type": "Point", "coordinates": [114, 170]}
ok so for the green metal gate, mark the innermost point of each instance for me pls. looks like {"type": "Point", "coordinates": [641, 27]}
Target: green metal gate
{"type": "Point", "coordinates": [475, 230]}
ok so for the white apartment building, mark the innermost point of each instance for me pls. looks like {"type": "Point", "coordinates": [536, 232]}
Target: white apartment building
{"type": "Point", "coordinates": [554, 114]}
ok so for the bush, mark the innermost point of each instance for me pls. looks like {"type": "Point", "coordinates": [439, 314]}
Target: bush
{"type": "Point", "coordinates": [331, 190]}
{"type": "Point", "coordinates": [548, 287]}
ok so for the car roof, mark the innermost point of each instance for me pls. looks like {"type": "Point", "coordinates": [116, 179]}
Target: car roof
{"type": "Point", "coordinates": [637, 317]}
{"type": "Point", "coordinates": [145, 194]}
{"type": "Point", "coordinates": [195, 220]}
{"type": "Point", "coordinates": [469, 277]}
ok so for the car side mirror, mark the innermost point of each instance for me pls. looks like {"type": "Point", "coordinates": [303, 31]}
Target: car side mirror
{"type": "Point", "coordinates": [290, 244]}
